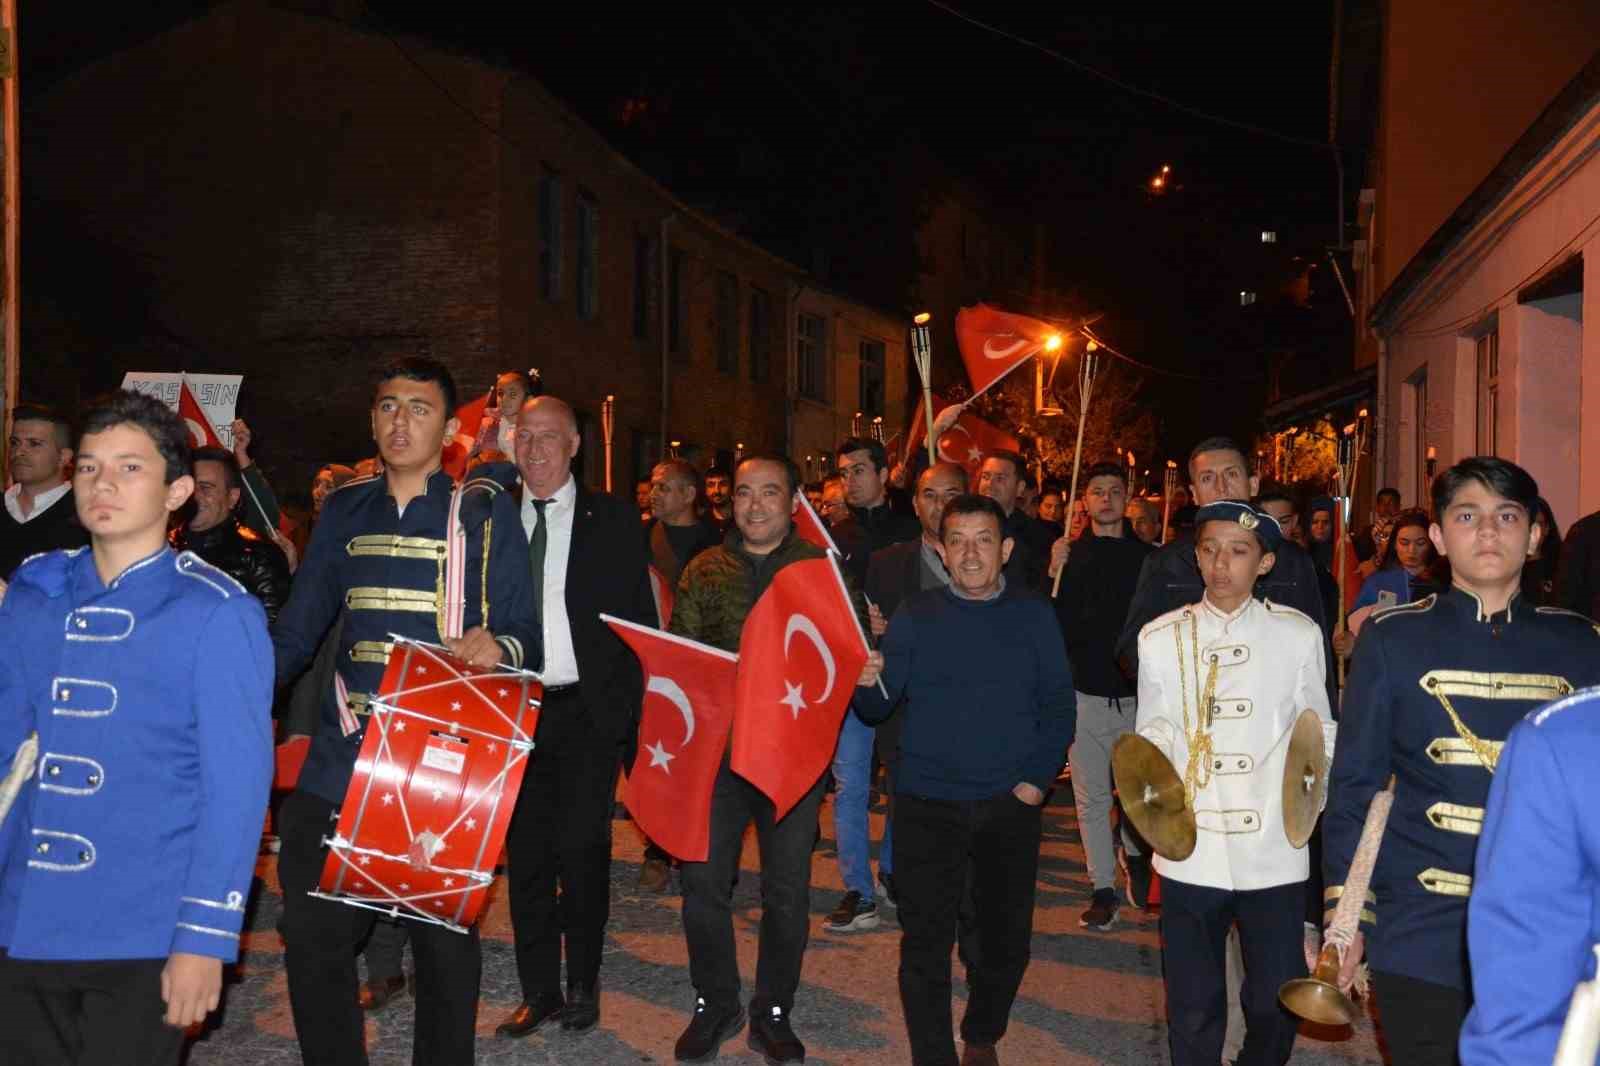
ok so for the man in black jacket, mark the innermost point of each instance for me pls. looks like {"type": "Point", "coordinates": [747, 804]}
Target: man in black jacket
{"type": "Point", "coordinates": [587, 554]}
{"type": "Point", "coordinates": [39, 514]}
{"type": "Point", "coordinates": [873, 523]}
{"type": "Point", "coordinates": [1578, 579]}
{"type": "Point", "coordinates": [1170, 577]}
{"type": "Point", "coordinates": [1000, 478]}
{"type": "Point", "coordinates": [1102, 571]}
{"type": "Point", "coordinates": [222, 540]}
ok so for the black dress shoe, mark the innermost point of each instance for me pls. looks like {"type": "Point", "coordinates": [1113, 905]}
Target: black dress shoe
{"type": "Point", "coordinates": [583, 1008]}
{"type": "Point", "coordinates": [375, 995]}
{"type": "Point", "coordinates": [702, 1041]}
{"type": "Point", "coordinates": [532, 1015]}
{"type": "Point", "coordinates": [771, 1036]}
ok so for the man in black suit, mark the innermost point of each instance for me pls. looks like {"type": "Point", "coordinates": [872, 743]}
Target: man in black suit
{"type": "Point", "coordinates": [39, 513]}
{"type": "Point", "coordinates": [587, 553]}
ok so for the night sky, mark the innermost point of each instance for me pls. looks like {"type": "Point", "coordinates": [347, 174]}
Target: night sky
{"type": "Point", "coordinates": [803, 123]}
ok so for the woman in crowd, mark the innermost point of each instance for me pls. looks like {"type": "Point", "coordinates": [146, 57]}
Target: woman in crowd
{"type": "Point", "coordinates": [1406, 571]}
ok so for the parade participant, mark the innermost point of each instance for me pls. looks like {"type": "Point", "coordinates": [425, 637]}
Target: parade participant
{"type": "Point", "coordinates": [1146, 519]}
{"type": "Point", "coordinates": [216, 536]}
{"type": "Point", "coordinates": [126, 859]}
{"type": "Point", "coordinates": [1530, 949]}
{"type": "Point", "coordinates": [715, 595]}
{"type": "Point", "coordinates": [1403, 575]}
{"type": "Point", "coordinates": [511, 390]}
{"type": "Point", "coordinates": [719, 498]}
{"type": "Point", "coordinates": [330, 477]}
{"type": "Point", "coordinates": [641, 498]}
{"type": "Point", "coordinates": [1539, 576]}
{"type": "Point", "coordinates": [1102, 570]}
{"type": "Point", "coordinates": [1384, 508]}
{"type": "Point", "coordinates": [1320, 531]}
{"type": "Point", "coordinates": [675, 534]}
{"type": "Point", "coordinates": [587, 552]}
{"type": "Point", "coordinates": [377, 561]}
{"type": "Point", "coordinates": [1280, 505]}
{"type": "Point", "coordinates": [1578, 575]}
{"type": "Point", "coordinates": [873, 524]}
{"type": "Point", "coordinates": [980, 747]}
{"type": "Point", "coordinates": [1000, 478]}
{"type": "Point", "coordinates": [813, 491]}
{"type": "Point", "coordinates": [1221, 684]}
{"type": "Point", "coordinates": [1171, 578]}
{"type": "Point", "coordinates": [40, 514]}
{"type": "Point", "coordinates": [1050, 505]}
{"type": "Point", "coordinates": [834, 510]}
{"type": "Point", "coordinates": [894, 572]}
{"type": "Point", "coordinates": [1434, 688]}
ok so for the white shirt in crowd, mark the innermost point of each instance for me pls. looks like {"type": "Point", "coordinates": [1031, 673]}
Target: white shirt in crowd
{"type": "Point", "coordinates": [560, 660]}
{"type": "Point", "coordinates": [41, 503]}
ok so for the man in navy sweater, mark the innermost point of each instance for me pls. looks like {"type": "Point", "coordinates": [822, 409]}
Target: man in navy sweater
{"type": "Point", "coordinates": [989, 713]}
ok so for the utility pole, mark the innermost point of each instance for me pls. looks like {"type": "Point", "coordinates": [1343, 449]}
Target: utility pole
{"type": "Point", "coordinates": [9, 316]}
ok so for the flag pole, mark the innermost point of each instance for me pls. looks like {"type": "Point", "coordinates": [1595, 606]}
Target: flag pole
{"type": "Point", "coordinates": [608, 425]}
{"type": "Point", "coordinates": [922, 354]}
{"type": "Point", "coordinates": [1085, 390]}
{"type": "Point", "coordinates": [1169, 485]}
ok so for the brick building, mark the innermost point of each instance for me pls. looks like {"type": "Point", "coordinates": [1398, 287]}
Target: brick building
{"type": "Point", "coordinates": [296, 197]}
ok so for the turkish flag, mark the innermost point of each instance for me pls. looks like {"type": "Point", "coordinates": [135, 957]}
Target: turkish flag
{"type": "Point", "coordinates": [809, 526]}
{"type": "Point", "coordinates": [800, 654]}
{"type": "Point", "coordinates": [968, 438]}
{"type": "Point", "coordinates": [201, 435]}
{"type": "Point", "coordinates": [994, 342]}
{"type": "Point", "coordinates": [683, 731]}
{"type": "Point", "coordinates": [661, 592]}
{"type": "Point", "coordinates": [457, 448]}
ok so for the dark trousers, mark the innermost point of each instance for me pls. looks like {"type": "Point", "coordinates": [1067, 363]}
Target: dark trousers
{"type": "Point", "coordinates": [561, 834]}
{"type": "Point", "coordinates": [85, 1013]}
{"type": "Point", "coordinates": [320, 939]}
{"type": "Point", "coordinates": [785, 895]}
{"type": "Point", "coordinates": [941, 849]}
{"type": "Point", "coordinates": [1421, 1020]}
{"type": "Point", "coordinates": [1194, 932]}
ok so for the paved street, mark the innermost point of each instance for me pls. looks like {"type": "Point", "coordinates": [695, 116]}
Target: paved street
{"type": "Point", "coordinates": [1088, 997]}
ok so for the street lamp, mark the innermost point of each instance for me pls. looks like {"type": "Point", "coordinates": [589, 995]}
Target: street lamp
{"type": "Point", "coordinates": [1052, 344]}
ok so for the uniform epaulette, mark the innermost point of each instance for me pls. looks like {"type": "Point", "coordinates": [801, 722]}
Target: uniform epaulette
{"type": "Point", "coordinates": [1583, 618]}
{"type": "Point", "coordinates": [1538, 715]}
{"type": "Point", "coordinates": [1172, 617]}
{"type": "Point", "coordinates": [487, 483]}
{"type": "Point", "coordinates": [1414, 607]}
{"type": "Point", "coordinates": [47, 571]}
{"type": "Point", "coordinates": [191, 565]}
{"type": "Point", "coordinates": [1289, 612]}
{"type": "Point", "coordinates": [353, 482]}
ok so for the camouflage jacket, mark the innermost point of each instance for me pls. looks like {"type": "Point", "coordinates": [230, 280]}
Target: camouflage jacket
{"type": "Point", "coordinates": [719, 586]}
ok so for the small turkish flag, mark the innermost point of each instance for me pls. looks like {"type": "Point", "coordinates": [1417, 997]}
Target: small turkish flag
{"type": "Point", "coordinates": [809, 526]}
{"type": "Point", "coordinates": [683, 732]}
{"type": "Point", "coordinates": [968, 438]}
{"type": "Point", "coordinates": [994, 342]}
{"type": "Point", "coordinates": [201, 435]}
{"type": "Point", "coordinates": [800, 654]}
{"type": "Point", "coordinates": [470, 419]}
{"type": "Point", "coordinates": [661, 592]}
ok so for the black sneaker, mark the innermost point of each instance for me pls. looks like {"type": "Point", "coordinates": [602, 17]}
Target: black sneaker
{"type": "Point", "coordinates": [854, 913]}
{"type": "Point", "coordinates": [702, 1040]}
{"type": "Point", "coordinates": [1137, 869]}
{"type": "Point", "coordinates": [772, 1038]}
{"type": "Point", "coordinates": [1102, 912]}
{"type": "Point", "coordinates": [886, 889]}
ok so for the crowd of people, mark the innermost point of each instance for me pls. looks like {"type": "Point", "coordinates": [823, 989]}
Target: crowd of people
{"type": "Point", "coordinates": [1018, 636]}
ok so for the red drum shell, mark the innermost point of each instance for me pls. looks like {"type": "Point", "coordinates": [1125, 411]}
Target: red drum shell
{"type": "Point", "coordinates": [442, 761]}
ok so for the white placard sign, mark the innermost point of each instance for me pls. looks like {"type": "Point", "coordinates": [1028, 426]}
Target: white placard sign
{"type": "Point", "coordinates": [217, 395]}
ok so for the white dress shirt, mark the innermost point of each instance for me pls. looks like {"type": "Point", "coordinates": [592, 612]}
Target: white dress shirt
{"type": "Point", "coordinates": [1269, 669]}
{"type": "Point", "coordinates": [41, 503]}
{"type": "Point", "coordinates": [560, 660]}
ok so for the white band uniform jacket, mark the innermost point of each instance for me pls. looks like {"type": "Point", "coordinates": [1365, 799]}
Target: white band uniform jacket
{"type": "Point", "coordinates": [137, 834]}
{"type": "Point", "coordinates": [1269, 669]}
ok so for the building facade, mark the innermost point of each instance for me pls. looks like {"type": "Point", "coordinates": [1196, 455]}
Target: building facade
{"type": "Point", "coordinates": [298, 197]}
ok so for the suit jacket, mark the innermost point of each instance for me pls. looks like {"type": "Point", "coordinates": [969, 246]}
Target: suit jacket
{"type": "Point", "coordinates": [606, 572]}
{"type": "Point", "coordinates": [894, 574]}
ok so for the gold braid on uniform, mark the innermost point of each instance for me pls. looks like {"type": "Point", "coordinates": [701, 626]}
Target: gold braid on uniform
{"type": "Point", "coordinates": [1483, 749]}
{"type": "Point", "coordinates": [1197, 774]}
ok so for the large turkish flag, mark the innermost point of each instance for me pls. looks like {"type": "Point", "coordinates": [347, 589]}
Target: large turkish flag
{"type": "Point", "coordinates": [994, 342]}
{"type": "Point", "coordinates": [968, 438]}
{"type": "Point", "coordinates": [800, 654]}
{"type": "Point", "coordinates": [683, 732]}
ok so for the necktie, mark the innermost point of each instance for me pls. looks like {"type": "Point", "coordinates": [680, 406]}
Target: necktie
{"type": "Point", "coordinates": [536, 546]}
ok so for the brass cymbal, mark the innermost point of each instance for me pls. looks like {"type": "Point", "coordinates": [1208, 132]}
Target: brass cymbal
{"type": "Point", "coordinates": [1152, 796]}
{"type": "Point", "coordinates": [1305, 777]}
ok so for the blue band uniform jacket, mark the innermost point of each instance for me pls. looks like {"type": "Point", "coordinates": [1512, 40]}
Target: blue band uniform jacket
{"type": "Point", "coordinates": [1269, 669]}
{"type": "Point", "coordinates": [386, 571]}
{"type": "Point", "coordinates": [1435, 687]}
{"type": "Point", "coordinates": [137, 835]}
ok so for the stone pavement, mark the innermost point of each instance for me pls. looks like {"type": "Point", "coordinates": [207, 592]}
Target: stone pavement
{"type": "Point", "coordinates": [1087, 998]}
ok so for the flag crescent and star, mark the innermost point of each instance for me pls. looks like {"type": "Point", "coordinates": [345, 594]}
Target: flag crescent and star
{"type": "Point", "coordinates": [794, 695]}
{"type": "Point", "coordinates": [673, 693]}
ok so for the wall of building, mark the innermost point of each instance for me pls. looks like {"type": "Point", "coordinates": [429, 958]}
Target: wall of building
{"type": "Point", "coordinates": [819, 426]}
{"type": "Point", "coordinates": [1549, 365]}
